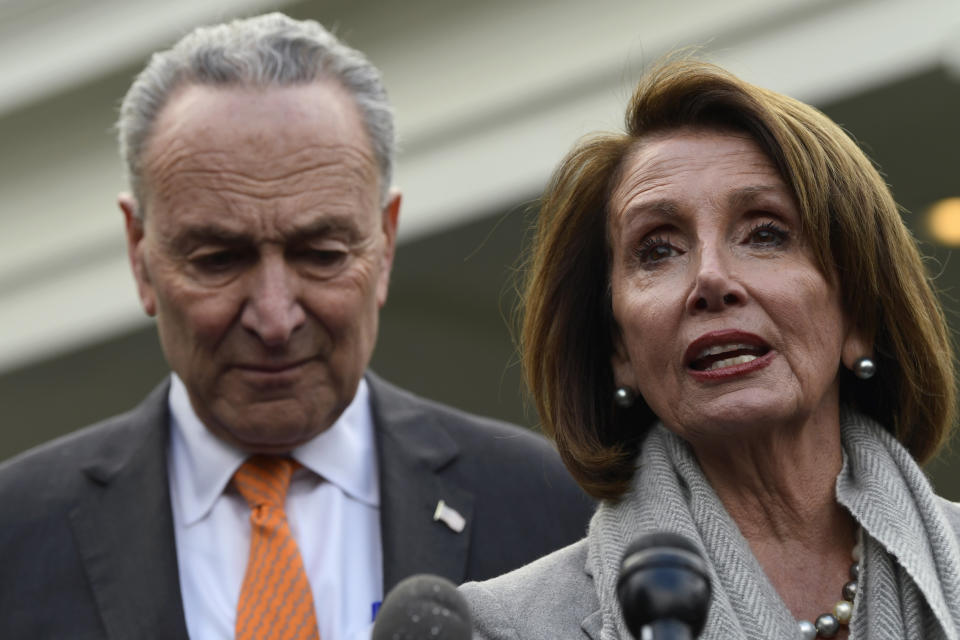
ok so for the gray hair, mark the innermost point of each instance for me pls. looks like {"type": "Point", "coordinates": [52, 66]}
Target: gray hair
{"type": "Point", "coordinates": [271, 49]}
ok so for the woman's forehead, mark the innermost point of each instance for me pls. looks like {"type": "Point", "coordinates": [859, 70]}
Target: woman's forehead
{"type": "Point", "coordinates": [693, 159]}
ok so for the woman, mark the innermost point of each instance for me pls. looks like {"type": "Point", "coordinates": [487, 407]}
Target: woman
{"type": "Point", "coordinates": [730, 336]}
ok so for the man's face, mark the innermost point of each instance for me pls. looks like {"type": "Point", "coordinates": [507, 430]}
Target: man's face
{"type": "Point", "coordinates": [264, 254]}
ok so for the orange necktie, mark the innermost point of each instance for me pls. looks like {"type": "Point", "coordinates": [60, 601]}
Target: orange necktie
{"type": "Point", "coordinates": [275, 600]}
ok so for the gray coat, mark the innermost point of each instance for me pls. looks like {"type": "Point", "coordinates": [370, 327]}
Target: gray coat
{"type": "Point", "coordinates": [556, 597]}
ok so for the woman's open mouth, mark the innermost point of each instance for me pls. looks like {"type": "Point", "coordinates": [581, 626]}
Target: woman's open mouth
{"type": "Point", "coordinates": [727, 355]}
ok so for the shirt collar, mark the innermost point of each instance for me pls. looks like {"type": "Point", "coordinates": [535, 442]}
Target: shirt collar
{"type": "Point", "coordinates": [202, 464]}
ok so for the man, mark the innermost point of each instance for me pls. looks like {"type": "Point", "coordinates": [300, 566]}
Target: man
{"type": "Point", "coordinates": [272, 483]}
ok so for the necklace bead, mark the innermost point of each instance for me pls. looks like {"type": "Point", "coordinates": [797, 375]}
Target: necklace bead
{"type": "Point", "coordinates": [850, 591]}
{"type": "Point", "coordinates": [842, 611]}
{"type": "Point", "coordinates": [827, 626]}
{"type": "Point", "coordinates": [807, 630]}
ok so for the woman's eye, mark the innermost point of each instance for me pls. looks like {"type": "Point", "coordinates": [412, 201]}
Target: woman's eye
{"type": "Point", "coordinates": [654, 250]}
{"type": "Point", "coordinates": [768, 234]}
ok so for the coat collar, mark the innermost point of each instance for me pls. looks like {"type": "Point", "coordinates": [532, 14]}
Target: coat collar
{"type": "Point", "coordinates": [123, 526]}
{"type": "Point", "coordinates": [414, 450]}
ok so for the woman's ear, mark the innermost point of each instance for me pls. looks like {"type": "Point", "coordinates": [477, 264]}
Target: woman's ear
{"type": "Point", "coordinates": [856, 345]}
{"type": "Point", "coordinates": [623, 374]}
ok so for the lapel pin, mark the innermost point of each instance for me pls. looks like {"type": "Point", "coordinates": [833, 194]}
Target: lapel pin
{"type": "Point", "coordinates": [449, 516]}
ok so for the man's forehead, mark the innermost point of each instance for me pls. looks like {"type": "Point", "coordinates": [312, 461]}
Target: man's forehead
{"type": "Point", "coordinates": [255, 122]}
{"type": "Point", "coordinates": [240, 148]}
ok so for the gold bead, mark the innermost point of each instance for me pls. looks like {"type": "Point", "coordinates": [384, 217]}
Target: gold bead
{"type": "Point", "coordinates": [842, 611]}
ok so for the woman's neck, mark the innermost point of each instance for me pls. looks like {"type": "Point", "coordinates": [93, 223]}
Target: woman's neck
{"type": "Point", "coordinates": [778, 481]}
{"type": "Point", "coordinates": [780, 491]}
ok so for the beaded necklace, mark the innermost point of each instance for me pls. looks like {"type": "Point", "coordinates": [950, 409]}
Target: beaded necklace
{"type": "Point", "coordinates": [828, 624]}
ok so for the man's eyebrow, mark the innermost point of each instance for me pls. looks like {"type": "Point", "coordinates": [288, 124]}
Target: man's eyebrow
{"type": "Point", "coordinates": [210, 234]}
{"type": "Point", "coordinates": [322, 228]}
{"type": "Point", "coordinates": [214, 234]}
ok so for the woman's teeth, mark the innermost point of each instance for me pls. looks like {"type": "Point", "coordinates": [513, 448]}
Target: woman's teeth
{"type": "Point", "coordinates": [723, 348]}
{"type": "Point", "coordinates": [729, 362]}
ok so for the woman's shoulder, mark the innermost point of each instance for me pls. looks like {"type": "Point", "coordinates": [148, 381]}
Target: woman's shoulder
{"type": "Point", "coordinates": [553, 597]}
{"type": "Point", "coordinates": [951, 510]}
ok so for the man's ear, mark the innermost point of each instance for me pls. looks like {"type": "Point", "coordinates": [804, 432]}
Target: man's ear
{"type": "Point", "coordinates": [136, 251]}
{"type": "Point", "coordinates": [390, 215]}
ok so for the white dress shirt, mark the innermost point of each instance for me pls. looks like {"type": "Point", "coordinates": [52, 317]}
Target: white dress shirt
{"type": "Point", "coordinates": [333, 507]}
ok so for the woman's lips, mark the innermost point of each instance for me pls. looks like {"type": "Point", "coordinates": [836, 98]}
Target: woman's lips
{"type": "Point", "coordinates": [734, 370]}
{"type": "Point", "coordinates": [726, 353]}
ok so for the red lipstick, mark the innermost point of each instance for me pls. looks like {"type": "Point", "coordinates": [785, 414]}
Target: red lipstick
{"type": "Point", "coordinates": [704, 356]}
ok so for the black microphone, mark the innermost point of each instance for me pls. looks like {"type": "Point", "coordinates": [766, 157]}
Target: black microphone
{"type": "Point", "coordinates": [664, 588]}
{"type": "Point", "coordinates": [423, 607]}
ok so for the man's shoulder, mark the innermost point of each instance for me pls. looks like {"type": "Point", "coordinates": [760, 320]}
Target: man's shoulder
{"type": "Point", "coordinates": [499, 461]}
{"type": "Point", "coordinates": [49, 470]}
{"type": "Point", "coordinates": [399, 407]}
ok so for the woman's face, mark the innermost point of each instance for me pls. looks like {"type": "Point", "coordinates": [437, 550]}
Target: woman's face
{"type": "Point", "coordinates": [726, 323]}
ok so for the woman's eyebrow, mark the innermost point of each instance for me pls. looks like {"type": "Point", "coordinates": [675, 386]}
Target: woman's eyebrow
{"type": "Point", "coordinates": [662, 207]}
{"type": "Point", "coordinates": [745, 196]}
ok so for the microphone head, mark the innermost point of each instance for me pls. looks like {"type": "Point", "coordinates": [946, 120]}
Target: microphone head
{"type": "Point", "coordinates": [663, 576]}
{"type": "Point", "coordinates": [423, 607]}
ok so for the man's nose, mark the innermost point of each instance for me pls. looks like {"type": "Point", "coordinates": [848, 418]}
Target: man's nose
{"type": "Point", "coordinates": [715, 286]}
{"type": "Point", "coordinates": [273, 309]}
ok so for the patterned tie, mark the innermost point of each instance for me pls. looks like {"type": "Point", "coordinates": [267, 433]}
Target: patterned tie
{"type": "Point", "coordinates": [275, 601]}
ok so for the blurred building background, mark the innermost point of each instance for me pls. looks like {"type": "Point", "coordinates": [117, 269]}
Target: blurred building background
{"type": "Point", "coordinates": [489, 96]}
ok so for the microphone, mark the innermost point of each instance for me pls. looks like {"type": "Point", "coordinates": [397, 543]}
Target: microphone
{"type": "Point", "coordinates": [664, 588]}
{"type": "Point", "coordinates": [423, 607]}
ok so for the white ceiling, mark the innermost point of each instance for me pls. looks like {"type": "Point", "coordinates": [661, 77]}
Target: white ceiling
{"type": "Point", "coordinates": [488, 96]}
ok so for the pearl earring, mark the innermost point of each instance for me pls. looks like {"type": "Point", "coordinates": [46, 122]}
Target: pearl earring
{"type": "Point", "coordinates": [864, 368]}
{"type": "Point", "coordinates": [624, 397]}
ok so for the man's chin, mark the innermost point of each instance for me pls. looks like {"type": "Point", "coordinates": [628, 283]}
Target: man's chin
{"type": "Point", "coordinates": [277, 439]}
{"type": "Point", "coordinates": [267, 428]}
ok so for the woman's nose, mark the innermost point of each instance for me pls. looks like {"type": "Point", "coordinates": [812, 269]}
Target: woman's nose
{"type": "Point", "coordinates": [715, 285]}
{"type": "Point", "coordinates": [273, 311]}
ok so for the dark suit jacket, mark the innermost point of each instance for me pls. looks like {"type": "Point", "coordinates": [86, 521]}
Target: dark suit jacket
{"type": "Point", "coordinates": [86, 531]}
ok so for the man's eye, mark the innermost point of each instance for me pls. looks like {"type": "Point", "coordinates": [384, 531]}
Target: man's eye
{"type": "Point", "coordinates": [321, 261]}
{"type": "Point", "coordinates": [219, 260]}
{"type": "Point", "coordinates": [323, 258]}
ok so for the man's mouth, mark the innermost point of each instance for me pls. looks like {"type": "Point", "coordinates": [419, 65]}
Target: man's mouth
{"type": "Point", "coordinates": [271, 367]}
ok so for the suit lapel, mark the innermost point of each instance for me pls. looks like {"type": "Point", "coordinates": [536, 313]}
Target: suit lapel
{"type": "Point", "coordinates": [123, 526]}
{"type": "Point", "coordinates": [413, 450]}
